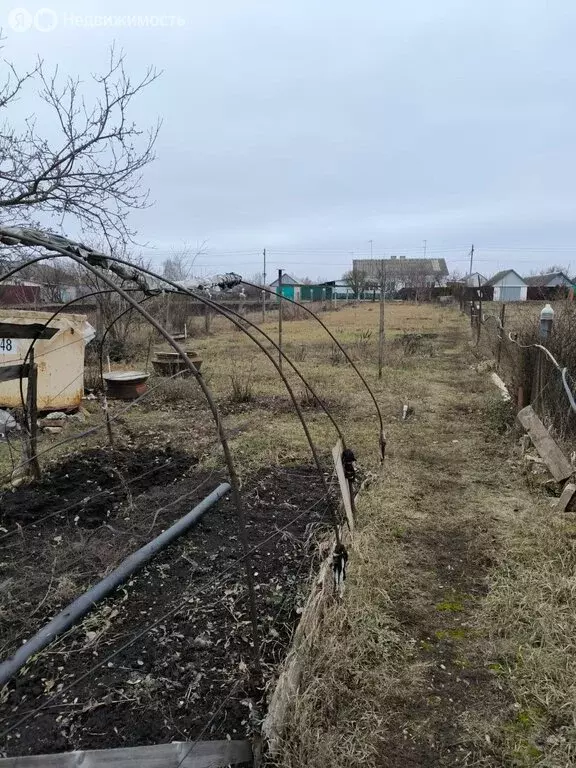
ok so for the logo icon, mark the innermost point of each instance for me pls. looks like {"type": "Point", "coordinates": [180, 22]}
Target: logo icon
{"type": "Point", "coordinates": [45, 20]}
{"type": "Point", "coordinates": [20, 19]}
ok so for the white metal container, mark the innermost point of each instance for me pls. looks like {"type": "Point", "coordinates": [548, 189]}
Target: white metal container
{"type": "Point", "coordinates": [60, 360]}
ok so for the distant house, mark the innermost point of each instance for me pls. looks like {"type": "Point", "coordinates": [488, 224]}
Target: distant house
{"type": "Point", "coordinates": [343, 290]}
{"type": "Point", "coordinates": [56, 285]}
{"type": "Point", "coordinates": [290, 287]}
{"type": "Point", "coordinates": [553, 286]}
{"type": "Point", "coordinates": [508, 286]}
{"type": "Point", "coordinates": [404, 273]}
{"type": "Point", "coordinates": [474, 280]}
{"type": "Point", "coordinates": [298, 291]}
{"type": "Point", "coordinates": [15, 292]}
{"type": "Point", "coordinates": [551, 280]}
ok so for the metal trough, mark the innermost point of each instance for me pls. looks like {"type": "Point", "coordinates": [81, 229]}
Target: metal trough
{"type": "Point", "coordinates": [125, 385]}
{"type": "Point", "coordinates": [169, 363]}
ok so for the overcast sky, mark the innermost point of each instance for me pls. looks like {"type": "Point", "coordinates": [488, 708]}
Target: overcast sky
{"type": "Point", "coordinates": [312, 127]}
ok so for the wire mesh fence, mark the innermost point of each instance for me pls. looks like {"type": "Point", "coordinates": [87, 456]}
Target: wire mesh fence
{"type": "Point", "coordinates": [535, 376]}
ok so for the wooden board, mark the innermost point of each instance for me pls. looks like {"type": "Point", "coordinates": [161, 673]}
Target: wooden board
{"type": "Point", "coordinates": [26, 331]}
{"type": "Point", "coordinates": [11, 372]}
{"type": "Point", "coordinates": [204, 754]}
{"type": "Point", "coordinates": [309, 626]}
{"type": "Point", "coordinates": [566, 497]}
{"type": "Point", "coordinates": [344, 486]}
{"type": "Point", "coordinates": [555, 460]}
{"type": "Point", "coordinates": [288, 683]}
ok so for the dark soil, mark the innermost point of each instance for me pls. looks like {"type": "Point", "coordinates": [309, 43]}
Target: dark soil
{"type": "Point", "coordinates": [87, 484]}
{"type": "Point", "coordinates": [187, 676]}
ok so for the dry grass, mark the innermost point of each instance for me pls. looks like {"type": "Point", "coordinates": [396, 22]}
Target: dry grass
{"type": "Point", "coordinates": [530, 618]}
{"type": "Point", "coordinates": [453, 644]}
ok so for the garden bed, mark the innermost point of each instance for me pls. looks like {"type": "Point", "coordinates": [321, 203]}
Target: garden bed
{"type": "Point", "coordinates": [190, 669]}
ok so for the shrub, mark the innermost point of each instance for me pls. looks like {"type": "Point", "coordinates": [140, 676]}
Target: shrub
{"type": "Point", "coordinates": [242, 389]}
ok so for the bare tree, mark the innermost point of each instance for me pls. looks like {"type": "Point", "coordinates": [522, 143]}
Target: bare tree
{"type": "Point", "coordinates": [357, 279]}
{"type": "Point", "coordinates": [456, 276]}
{"type": "Point", "coordinates": [254, 293]}
{"type": "Point", "coordinates": [554, 268]}
{"type": "Point", "coordinates": [84, 158]}
{"type": "Point", "coordinates": [57, 280]}
{"type": "Point", "coordinates": [180, 265]}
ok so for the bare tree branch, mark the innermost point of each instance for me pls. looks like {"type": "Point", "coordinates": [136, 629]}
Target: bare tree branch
{"type": "Point", "coordinates": [180, 265]}
{"type": "Point", "coordinates": [357, 279]}
{"type": "Point", "coordinates": [92, 171]}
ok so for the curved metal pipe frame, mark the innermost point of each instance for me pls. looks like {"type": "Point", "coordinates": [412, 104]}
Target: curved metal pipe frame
{"type": "Point", "coordinates": [382, 438]}
{"type": "Point", "coordinates": [234, 480]}
{"type": "Point", "coordinates": [217, 308]}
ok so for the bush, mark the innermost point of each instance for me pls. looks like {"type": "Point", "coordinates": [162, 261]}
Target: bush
{"type": "Point", "coordinates": [242, 389]}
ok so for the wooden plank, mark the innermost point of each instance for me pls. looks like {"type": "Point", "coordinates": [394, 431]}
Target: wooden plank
{"type": "Point", "coordinates": [26, 331]}
{"type": "Point", "coordinates": [344, 485]}
{"type": "Point", "coordinates": [204, 754]}
{"type": "Point", "coordinates": [310, 625]}
{"type": "Point", "coordinates": [555, 460]}
{"type": "Point", "coordinates": [288, 683]}
{"type": "Point", "coordinates": [11, 372]}
{"type": "Point", "coordinates": [565, 497]}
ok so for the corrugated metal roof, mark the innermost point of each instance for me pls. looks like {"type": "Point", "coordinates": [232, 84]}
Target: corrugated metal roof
{"type": "Point", "coordinates": [541, 281]}
{"type": "Point", "coordinates": [499, 275]}
{"type": "Point", "coordinates": [400, 267]}
{"type": "Point", "coordinates": [286, 280]}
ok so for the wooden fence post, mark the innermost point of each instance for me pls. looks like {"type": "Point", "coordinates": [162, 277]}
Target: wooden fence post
{"type": "Point", "coordinates": [500, 336]}
{"type": "Point", "coordinates": [381, 330]}
{"type": "Point", "coordinates": [280, 319]}
{"type": "Point", "coordinates": [207, 318]}
{"type": "Point", "coordinates": [32, 408]}
{"type": "Point", "coordinates": [480, 318]}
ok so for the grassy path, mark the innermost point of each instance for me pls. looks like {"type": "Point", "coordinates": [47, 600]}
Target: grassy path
{"type": "Point", "coordinates": [420, 664]}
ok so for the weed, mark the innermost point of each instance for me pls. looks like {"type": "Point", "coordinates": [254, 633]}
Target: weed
{"type": "Point", "coordinates": [300, 354]}
{"type": "Point", "coordinates": [336, 356]}
{"type": "Point", "coordinates": [459, 633]}
{"type": "Point", "coordinates": [499, 415]}
{"type": "Point", "coordinates": [177, 390]}
{"type": "Point", "coordinates": [363, 342]}
{"type": "Point", "coordinates": [242, 388]}
{"type": "Point", "coordinates": [307, 399]}
{"type": "Point", "coordinates": [453, 606]}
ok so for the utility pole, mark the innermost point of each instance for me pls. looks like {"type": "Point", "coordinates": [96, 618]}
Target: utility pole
{"type": "Point", "coordinates": [280, 319]}
{"type": "Point", "coordinates": [425, 248]}
{"type": "Point", "coordinates": [371, 248]}
{"type": "Point", "coordinates": [471, 259]}
{"type": "Point", "coordinates": [381, 328]}
{"type": "Point", "coordinates": [264, 285]}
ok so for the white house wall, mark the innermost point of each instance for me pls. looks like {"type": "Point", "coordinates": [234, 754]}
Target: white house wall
{"type": "Point", "coordinates": [510, 280]}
